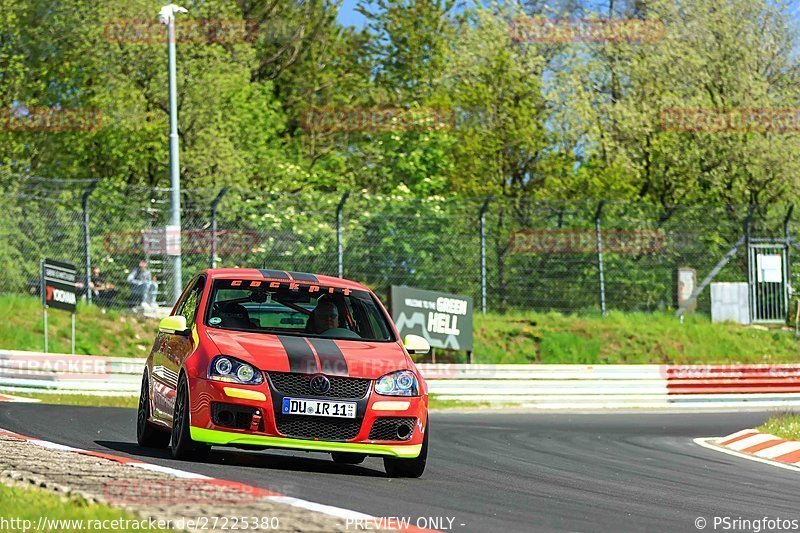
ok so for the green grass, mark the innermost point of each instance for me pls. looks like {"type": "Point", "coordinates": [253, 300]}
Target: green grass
{"type": "Point", "coordinates": [657, 338]}
{"type": "Point", "coordinates": [783, 425]}
{"type": "Point", "coordinates": [120, 401]}
{"type": "Point", "coordinates": [517, 337]}
{"type": "Point", "coordinates": [436, 403]}
{"type": "Point", "coordinates": [32, 503]}
{"type": "Point", "coordinates": [133, 402]}
{"type": "Point", "coordinates": [81, 399]}
{"type": "Point", "coordinates": [112, 334]}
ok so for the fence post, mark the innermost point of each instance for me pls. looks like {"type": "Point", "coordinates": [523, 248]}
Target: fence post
{"type": "Point", "coordinates": [214, 206]}
{"type": "Point", "coordinates": [483, 253]}
{"type": "Point", "coordinates": [597, 216]}
{"type": "Point", "coordinates": [788, 266]}
{"type": "Point", "coordinates": [751, 286]}
{"type": "Point", "coordinates": [339, 245]}
{"type": "Point", "coordinates": [86, 238]}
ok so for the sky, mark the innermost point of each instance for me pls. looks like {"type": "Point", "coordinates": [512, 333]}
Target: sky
{"type": "Point", "coordinates": [348, 15]}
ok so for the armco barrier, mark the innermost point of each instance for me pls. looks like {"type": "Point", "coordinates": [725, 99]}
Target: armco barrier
{"type": "Point", "coordinates": [69, 374]}
{"type": "Point", "coordinates": [540, 386]}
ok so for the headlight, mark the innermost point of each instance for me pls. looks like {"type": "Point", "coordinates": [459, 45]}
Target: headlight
{"type": "Point", "coordinates": [402, 383]}
{"type": "Point", "coordinates": [230, 370]}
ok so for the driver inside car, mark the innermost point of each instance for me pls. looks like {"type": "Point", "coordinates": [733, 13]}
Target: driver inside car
{"type": "Point", "coordinates": [325, 317]}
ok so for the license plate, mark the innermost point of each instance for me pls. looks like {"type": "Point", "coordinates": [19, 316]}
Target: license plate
{"type": "Point", "coordinates": [300, 406]}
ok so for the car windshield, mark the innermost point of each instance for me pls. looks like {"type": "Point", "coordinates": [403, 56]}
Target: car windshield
{"type": "Point", "coordinates": [296, 309]}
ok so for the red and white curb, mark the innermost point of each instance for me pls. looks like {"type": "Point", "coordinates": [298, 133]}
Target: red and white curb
{"type": "Point", "coordinates": [7, 398]}
{"type": "Point", "coordinates": [337, 512]}
{"type": "Point", "coordinates": [756, 446]}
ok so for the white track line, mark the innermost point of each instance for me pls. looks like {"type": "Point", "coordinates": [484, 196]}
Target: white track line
{"type": "Point", "coordinates": [167, 470]}
{"type": "Point", "coordinates": [329, 510]}
{"type": "Point", "coordinates": [708, 442]}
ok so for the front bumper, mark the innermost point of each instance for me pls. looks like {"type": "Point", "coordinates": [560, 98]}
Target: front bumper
{"type": "Point", "coordinates": [203, 392]}
{"type": "Point", "coordinates": [230, 438]}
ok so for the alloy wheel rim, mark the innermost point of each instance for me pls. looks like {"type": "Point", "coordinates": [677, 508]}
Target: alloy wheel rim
{"type": "Point", "coordinates": [142, 414]}
{"type": "Point", "coordinates": [178, 422]}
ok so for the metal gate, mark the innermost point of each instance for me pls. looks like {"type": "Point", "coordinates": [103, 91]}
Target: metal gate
{"type": "Point", "coordinates": [768, 278]}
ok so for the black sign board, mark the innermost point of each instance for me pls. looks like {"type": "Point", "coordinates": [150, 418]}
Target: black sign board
{"type": "Point", "coordinates": [58, 284]}
{"type": "Point", "coordinates": [445, 320]}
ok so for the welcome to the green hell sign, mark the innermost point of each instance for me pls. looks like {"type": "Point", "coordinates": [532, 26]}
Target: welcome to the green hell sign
{"type": "Point", "coordinates": [445, 320]}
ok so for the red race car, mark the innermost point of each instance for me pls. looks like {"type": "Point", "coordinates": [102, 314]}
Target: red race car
{"type": "Point", "coordinates": [268, 358]}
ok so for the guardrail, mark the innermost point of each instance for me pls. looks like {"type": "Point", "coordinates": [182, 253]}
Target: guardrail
{"type": "Point", "coordinates": [69, 374]}
{"type": "Point", "coordinates": [541, 386]}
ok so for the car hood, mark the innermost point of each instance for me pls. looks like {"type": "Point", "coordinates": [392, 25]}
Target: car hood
{"type": "Point", "coordinates": [311, 355]}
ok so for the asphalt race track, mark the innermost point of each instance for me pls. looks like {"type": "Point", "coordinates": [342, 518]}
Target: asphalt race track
{"type": "Point", "coordinates": [518, 471]}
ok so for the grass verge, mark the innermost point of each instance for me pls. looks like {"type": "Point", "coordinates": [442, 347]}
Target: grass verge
{"type": "Point", "coordinates": [81, 399]}
{"type": "Point", "coordinates": [626, 338]}
{"type": "Point", "coordinates": [113, 334]}
{"type": "Point", "coordinates": [783, 425]}
{"type": "Point", "coordinates": [18, 505]}
{"type": "Point", "coordinates": [436, 403]}
{"type": "Point", "coordinates": [515, 337]}
{"type": "Point", "coordinates": [133, 401]}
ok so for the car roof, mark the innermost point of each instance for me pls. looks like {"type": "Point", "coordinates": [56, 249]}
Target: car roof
{"type": "Point", "coordinates": [283, 275]}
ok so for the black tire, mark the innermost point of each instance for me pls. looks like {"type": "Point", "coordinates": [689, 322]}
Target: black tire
{"type": "Point", "coordinates": [409, 467]}
{"type": "Point", "coordinates": [181, 444]}
{"type": "Point", "coordinates": [345, 458]}
{"type": "Point", "coordinates": [147, 434]}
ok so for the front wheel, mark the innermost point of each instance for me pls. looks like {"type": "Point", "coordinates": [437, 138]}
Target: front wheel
{"type": "Point", "coordinates": [409, 467]}
{"type": "Point", "coordinates": [182, 445]}
{"type": "Point", "coordinates": [147, 434]}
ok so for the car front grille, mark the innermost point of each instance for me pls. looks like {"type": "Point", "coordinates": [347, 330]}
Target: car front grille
{"type": "Point", "coordinates": [308, 427]}
{"type": "Point", "coordinates": [299, 384]}
{"type": "Point", "coordinates": [386, 428]}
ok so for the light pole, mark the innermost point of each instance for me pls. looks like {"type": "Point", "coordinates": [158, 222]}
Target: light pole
{"type": "Point", "coordinates": [167, 17]}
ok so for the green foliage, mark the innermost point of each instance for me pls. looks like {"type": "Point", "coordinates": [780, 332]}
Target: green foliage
{"type": "Point", "coordinates": [782, 425]}
{"type": "Point", "coordinates": [545, 120]}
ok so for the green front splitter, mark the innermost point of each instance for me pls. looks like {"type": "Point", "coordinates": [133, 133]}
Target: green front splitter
{"type": "Point", "coordinates": [226, 438]}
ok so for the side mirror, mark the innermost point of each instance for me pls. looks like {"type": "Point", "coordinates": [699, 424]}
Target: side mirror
{"type": "Point", "coordinates": [416, 345]}
{"type": "Point", "coordinates": [174, 325]}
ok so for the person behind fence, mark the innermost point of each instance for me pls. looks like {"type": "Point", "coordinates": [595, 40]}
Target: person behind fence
{"type": "Point", "coordinates": [144, 286]}
{"type": "Point", "coordinates": [103, 292]}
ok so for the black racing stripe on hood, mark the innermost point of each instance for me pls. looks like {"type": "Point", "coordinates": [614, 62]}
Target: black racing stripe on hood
{"type": "Point", "coordinates": [331, 358]}
{"type": "Point", "coordinates": [274, 274]}
{"type": "Point", "coordinates": [302, 276]}
{"type": "Point", "coordinates": [301, 358]}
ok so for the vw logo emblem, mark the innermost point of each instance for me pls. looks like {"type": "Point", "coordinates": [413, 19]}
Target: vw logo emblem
{"type": "Point", "coordinates": [320, 384]}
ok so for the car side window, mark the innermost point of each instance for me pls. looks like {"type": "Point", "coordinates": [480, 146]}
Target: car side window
{"type": "Point", "coordinates": [189, 306]}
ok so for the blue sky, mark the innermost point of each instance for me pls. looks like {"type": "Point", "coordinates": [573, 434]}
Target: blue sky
{"type": "Point", "coordinates": [348, 15]}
